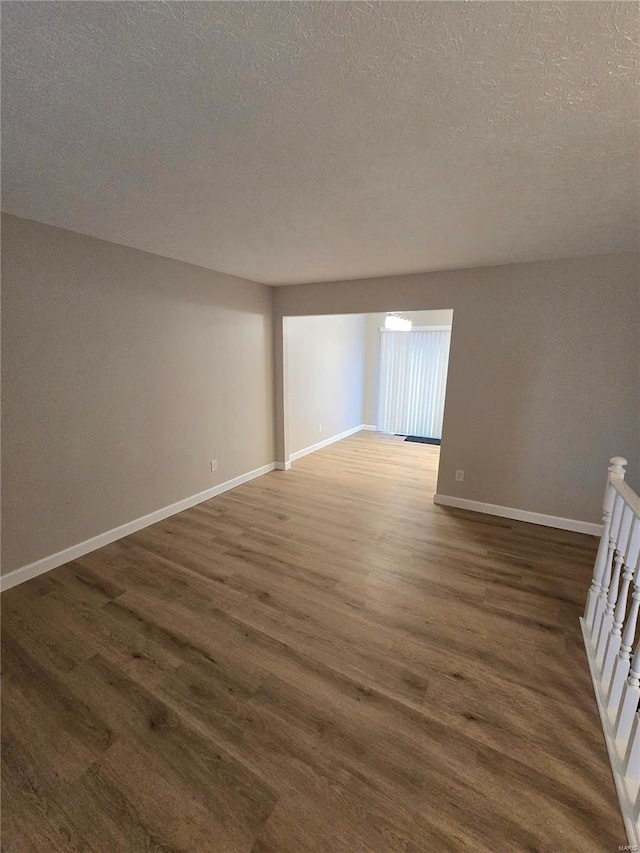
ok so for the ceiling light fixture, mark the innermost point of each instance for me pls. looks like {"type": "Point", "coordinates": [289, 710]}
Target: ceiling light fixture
{"type": "Point", "coordinates": [396, 323]}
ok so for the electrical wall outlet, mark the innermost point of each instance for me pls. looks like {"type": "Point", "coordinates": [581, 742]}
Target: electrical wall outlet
{"type": "Point", "coordinates": [214, 464]}
{"type": "Point", "coordinates": [459, 476]}
{"type": "Point", "coordinates": [319, 427]}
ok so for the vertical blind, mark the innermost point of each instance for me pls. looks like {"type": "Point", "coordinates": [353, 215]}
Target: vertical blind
{"type": "Point", "coordinates": [412, 381]}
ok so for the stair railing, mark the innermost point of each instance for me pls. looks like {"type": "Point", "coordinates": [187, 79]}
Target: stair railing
{"type": "Point", "coordinates": [610, 630]}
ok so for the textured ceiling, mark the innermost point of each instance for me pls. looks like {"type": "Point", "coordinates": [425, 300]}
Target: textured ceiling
{"type": "Point", "coordinates": [289, 142]}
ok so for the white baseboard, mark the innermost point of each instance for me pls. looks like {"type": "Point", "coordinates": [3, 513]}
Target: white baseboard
{"type": "Point", "coordinates": [521, 515]}
{"type": "Point", "coordinates": [327, 441]}
{"type": "Point", "coordinates": [32, 570]}
{"type": "Point", "coordinates": [371, 427]}
{"type": "Point", "coordinates": [626, 791]}
{"type": "Point", "coordinates": [283, 466]}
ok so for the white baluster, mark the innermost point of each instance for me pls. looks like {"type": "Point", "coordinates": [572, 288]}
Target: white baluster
{"type": "Point", "coordinates": [631, 762]}
{"type": "Point", "coordinates": [606, 623]}
{"type": "Point", "coordinates": [629, 703]}
{"type": "Point", "coordinates": [601, 602]}
{"type": "Point", "coordinates": [615, 635]}
{"type": "Point", "coordinates": [622, 663]}
{"type": "Point", "coordinates": [616, 471]}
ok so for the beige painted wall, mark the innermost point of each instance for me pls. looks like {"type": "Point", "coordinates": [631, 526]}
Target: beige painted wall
{"type": "Point", "coordinates": [124, 374]}
{"type": "Point", "coordinates": [543, 383]}
{"type": "Point", "coordinates": [374, 322]}
{"type": "Point", "coordinates": [324, 364]}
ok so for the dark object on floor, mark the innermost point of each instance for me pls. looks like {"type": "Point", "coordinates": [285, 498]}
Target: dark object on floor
{"type": "Point", "coordinates": [419, 439]}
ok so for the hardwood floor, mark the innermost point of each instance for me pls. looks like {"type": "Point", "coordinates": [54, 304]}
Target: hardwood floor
{"type": "Point", "coordinates": [320, 660]}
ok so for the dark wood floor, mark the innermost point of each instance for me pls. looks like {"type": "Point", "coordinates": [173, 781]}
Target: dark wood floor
{"type": "Point", "coordinates": [320, 660]}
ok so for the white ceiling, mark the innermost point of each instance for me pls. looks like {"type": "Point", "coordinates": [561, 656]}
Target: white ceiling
{"type": "Point", "coordinates": [288, 142]}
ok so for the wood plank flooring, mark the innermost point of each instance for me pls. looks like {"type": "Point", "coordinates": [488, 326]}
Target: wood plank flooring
{"type": "Point", "coordinates": [319, 661]}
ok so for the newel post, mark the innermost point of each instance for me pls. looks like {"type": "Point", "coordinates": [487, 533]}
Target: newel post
{"type": "Point", "coordinates": [606, 547]}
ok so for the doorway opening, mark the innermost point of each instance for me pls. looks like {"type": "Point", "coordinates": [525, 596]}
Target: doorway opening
{"type": "Point", "coordinates": [350, 373]}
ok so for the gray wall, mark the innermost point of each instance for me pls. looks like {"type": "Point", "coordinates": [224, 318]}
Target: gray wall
{"type": "Point", "coordinates": [124, 374]}
{"type": "Point", "coordinates": [324, 369]}
{"type": "Point", "coordinates": [543, 382]}
{"type": "Point", "coordinates": [374, 323]}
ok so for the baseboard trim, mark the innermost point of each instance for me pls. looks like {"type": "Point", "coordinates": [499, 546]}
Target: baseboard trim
{"type": "Point", "coordinates": [32, 570]}
{"type": "Point", "coordinates": [371, 427]}
{"type": "Point", "coordinates": [283, 466]}
{"type": "Point", "coordinates": [521, 515]}
{"type": "Point", "coordinates": [327, 441]}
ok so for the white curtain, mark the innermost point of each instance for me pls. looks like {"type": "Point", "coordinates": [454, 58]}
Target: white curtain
{"type": "Point", "coordinates": [412, 381]}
